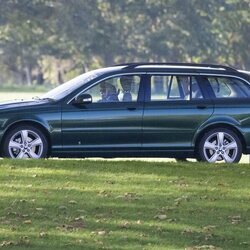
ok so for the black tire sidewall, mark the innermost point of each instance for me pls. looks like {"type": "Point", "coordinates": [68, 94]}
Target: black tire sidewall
{"type": "Point", "coordinates": [201, 155]}
{"type": "Point", "coordinates": [24, 127]}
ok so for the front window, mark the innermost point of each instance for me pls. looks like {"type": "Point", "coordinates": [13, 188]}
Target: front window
{"type": "Point", "coordinates": [117, 89]}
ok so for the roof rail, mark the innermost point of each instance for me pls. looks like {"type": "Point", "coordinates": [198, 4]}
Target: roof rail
{"type": "Point", "coordinates": [215, 66]}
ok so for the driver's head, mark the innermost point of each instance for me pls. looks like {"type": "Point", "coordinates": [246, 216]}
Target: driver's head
{"type": "Point", "coordinates": [103, 89]}
{"type": "Point", "coordinates": [110, 89]}
{"type": "Point", "coordinates": [107, 88]}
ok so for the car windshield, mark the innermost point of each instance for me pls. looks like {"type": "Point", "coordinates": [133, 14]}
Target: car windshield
{"type": "Point", "coordinates": [68, 87]}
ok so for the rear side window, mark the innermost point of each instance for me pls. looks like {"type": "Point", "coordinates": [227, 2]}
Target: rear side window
{"type": "Point", "coordinates": [173, 87]}
{"type": "Point", "coordinates": [227, 87]}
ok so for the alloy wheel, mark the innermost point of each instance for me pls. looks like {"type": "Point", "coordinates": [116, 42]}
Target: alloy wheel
{"type": "Point", "coordinates": [220, 146]}
{"type": "Point", "coordinates": [25, 144]}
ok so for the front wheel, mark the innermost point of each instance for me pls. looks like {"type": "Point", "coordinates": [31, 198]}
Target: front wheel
{"type": "Point", "coordinates": [220, 145]}
{"type": "Point", "coordinates": [25, 142]}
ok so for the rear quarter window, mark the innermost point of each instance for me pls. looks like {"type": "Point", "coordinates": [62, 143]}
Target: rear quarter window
{"type": "Point", "coordinates": [228, 87]}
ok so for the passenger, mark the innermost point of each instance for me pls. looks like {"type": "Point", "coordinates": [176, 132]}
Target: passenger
{"type": "Point", "coordinates": [185, 85]}
{"type": "Point", "coordinates": [196, 92]}
{"type": "Point", "coordinates": [126, 82]}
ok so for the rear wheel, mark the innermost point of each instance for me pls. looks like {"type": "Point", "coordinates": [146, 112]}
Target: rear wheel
{"type": "Point", "coordinates": [25, 142]}
{"type": "Point", "coordinates": [220, 145]}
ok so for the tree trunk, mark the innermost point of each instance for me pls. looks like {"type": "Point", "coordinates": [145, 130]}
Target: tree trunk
{"type": "Point", "coordinates": [40, 77]}
{"type": "Point", "coordinates": [27, 70]}
{"type": "Point", "coordinates": [108, 59]}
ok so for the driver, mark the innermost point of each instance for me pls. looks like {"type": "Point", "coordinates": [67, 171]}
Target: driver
{"type": "Point", "coordinates": [108, 92]}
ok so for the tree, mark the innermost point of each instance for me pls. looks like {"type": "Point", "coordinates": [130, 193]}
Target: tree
{"type": "Point", "coordinates": [73, 36]}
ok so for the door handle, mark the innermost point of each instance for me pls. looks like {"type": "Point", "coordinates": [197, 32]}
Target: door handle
{"type": "Point", "coordinates": [131, 108]}
{"type": "Point", "coordinates": [201, 107]}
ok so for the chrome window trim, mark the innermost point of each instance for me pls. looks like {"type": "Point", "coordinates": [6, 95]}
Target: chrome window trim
{"type": "Point", "coordinates": [195, 74]}
{"type": "Point", "coordinates": [103, 79]}
{"type": "Point", "coordinates": [175, 74]}
{"type": "Point", "coordinates": [224, 75]}
{"type": "Point", "coordinates": [244, 71]}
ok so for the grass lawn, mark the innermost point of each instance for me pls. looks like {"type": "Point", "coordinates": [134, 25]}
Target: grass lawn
{"type": "Point", "coordinates": [83, 204]}
{"type": "Point", "coordinates": [11, 92]}
{"type": "Point", "coordinates": [6, 96]}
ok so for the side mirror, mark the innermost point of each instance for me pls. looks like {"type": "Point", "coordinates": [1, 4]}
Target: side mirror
{"type": "Point", "coordinates": [83, 99]}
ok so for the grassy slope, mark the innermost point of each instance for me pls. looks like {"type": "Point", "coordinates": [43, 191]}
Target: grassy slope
{"type": "Point", "coordinates": [52, 204]}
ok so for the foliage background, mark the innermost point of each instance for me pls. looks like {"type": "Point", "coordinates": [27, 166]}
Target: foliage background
{"type": "Point", "coordinates": [49, 41]}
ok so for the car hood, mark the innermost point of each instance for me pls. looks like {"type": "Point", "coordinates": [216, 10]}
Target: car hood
{"type": "Point", "coordinates": [20, 103]}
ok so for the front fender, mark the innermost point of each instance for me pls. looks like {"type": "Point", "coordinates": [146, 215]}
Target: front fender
{"type": "Point", "coordinates": [51, 122]}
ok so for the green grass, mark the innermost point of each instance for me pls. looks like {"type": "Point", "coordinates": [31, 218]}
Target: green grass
{"type": "Point", "coordinates": [82, 204]}
{"type": "Point", "coordinates": [25, 92]}
{"type": "Point", "coordinates": [25, 88]}
{"type": "Point", "coordinates": [7, 96]}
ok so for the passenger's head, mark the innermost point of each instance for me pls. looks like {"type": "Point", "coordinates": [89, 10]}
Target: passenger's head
{"type": "Point", "coordinates": [126, 82]}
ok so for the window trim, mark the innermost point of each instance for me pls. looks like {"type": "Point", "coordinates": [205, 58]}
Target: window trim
{"type": "Point", "coordinates": [112, 76]}
{"type": "Point", "coordinates": [224, 75]}
{"type": "Point", "coordinates": [195, 75]}
{"type": "Point", "coordinates": [147, 73]}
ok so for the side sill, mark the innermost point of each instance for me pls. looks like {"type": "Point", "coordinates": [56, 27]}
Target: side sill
{"type": "Point", "coordinates": [126, 154]}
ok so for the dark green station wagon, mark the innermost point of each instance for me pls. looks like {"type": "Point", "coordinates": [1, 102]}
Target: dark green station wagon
{"type": "Point", "coordinates": [176, 110]}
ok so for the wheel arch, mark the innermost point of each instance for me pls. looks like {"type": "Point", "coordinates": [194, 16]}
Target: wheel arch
{"type": "Point", "coordinates": [35, 124]}
{"type": "Point", "coordinates": [220, 125]}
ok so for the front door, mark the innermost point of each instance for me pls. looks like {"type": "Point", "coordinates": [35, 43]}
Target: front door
{"type": "Point", "coordinates": [112, 122]}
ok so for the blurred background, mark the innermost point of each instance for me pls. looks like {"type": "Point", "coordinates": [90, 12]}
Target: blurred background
{"type": "Point", "coordinates": [44, 43]}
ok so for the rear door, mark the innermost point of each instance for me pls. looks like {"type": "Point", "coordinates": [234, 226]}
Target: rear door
{"type": "Point", "coordinates": [175, 107]}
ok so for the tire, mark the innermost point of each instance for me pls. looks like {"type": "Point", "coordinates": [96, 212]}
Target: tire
{"type": "Point", "coordinates": [25, 142]}
{"type": "Point", "coordinates": [220, 144]}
